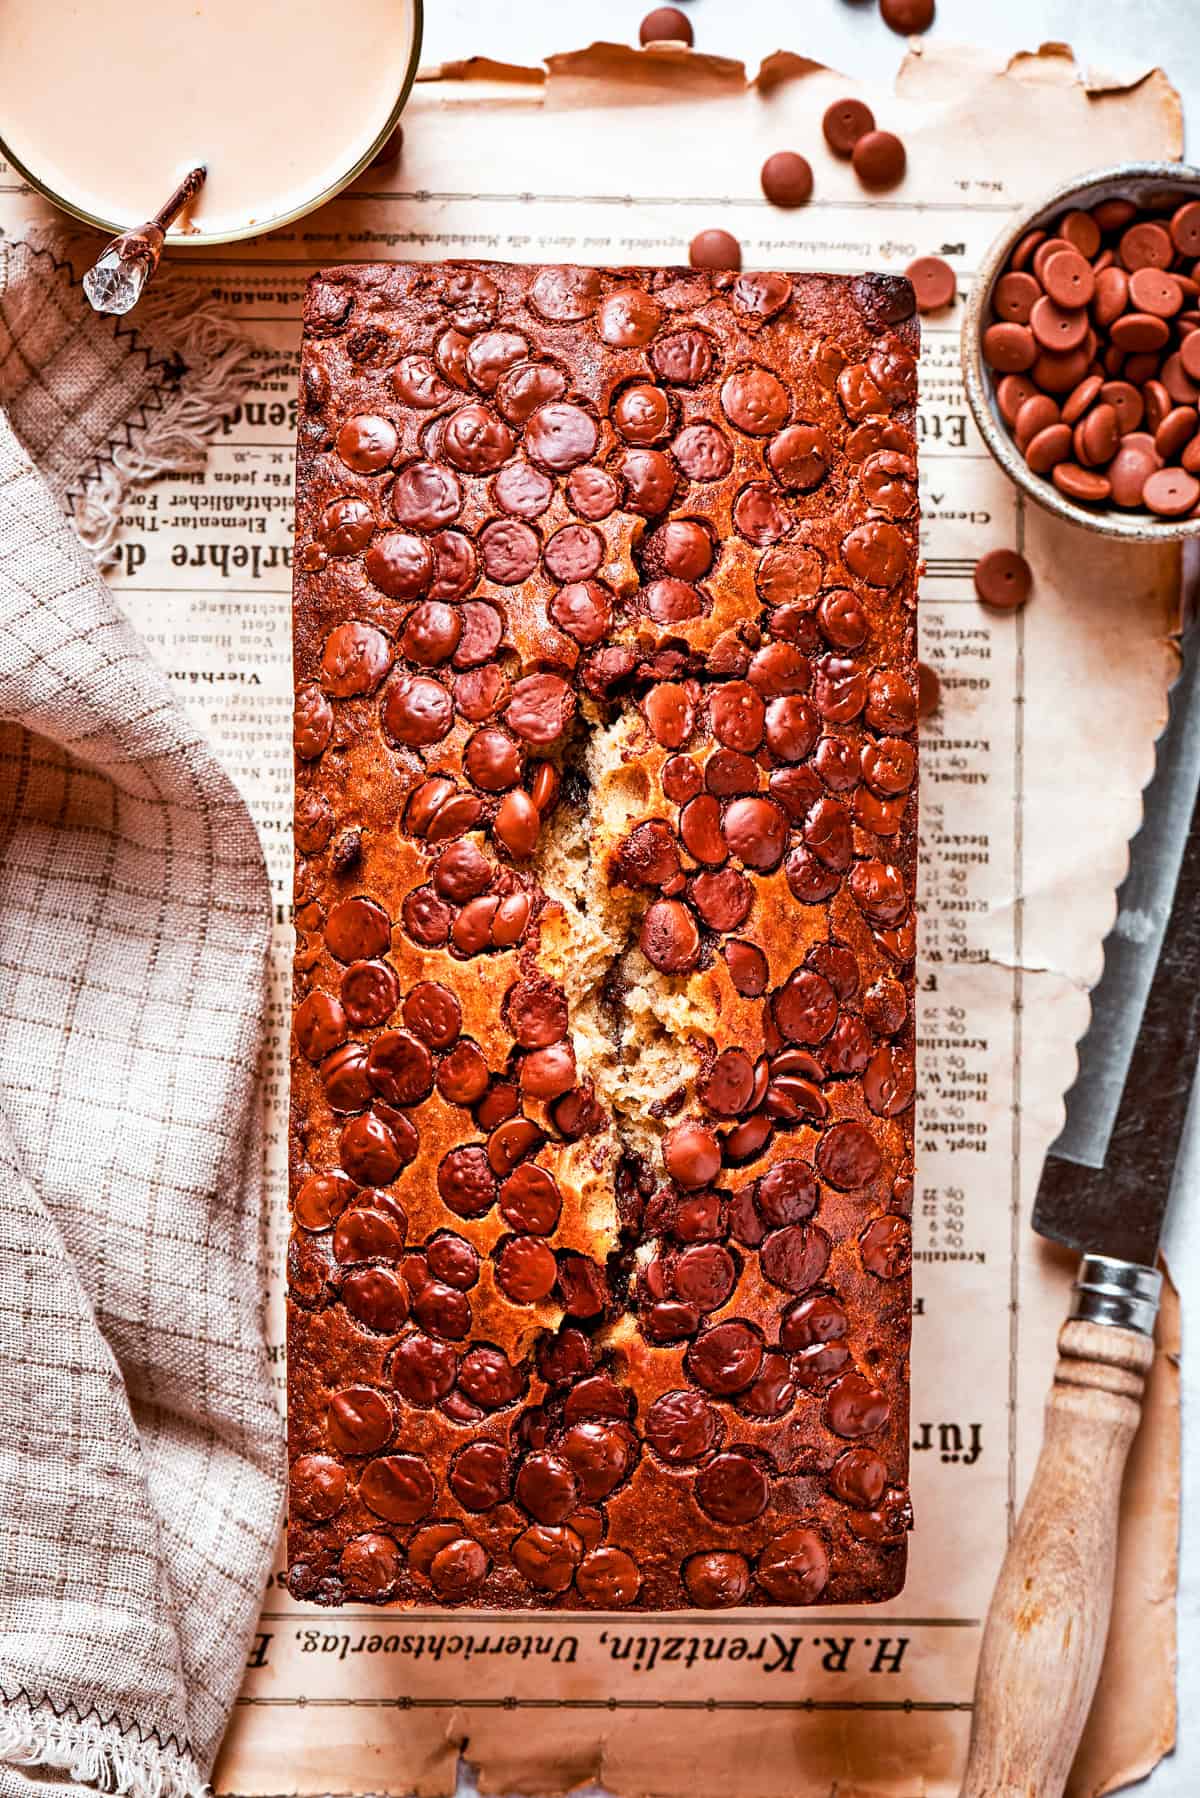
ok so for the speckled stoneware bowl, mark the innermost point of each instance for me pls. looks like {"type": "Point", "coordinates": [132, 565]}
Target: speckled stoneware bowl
{"type": "Point", "coordinates": [1140, 182]}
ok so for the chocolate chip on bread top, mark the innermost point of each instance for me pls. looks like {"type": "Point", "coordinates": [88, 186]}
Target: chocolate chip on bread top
{"type": "Point", "coordinates": [602, 1077]}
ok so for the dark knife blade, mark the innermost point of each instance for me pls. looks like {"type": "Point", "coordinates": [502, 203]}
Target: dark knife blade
{"type": "Point", "coordinates": [1109, 1197]}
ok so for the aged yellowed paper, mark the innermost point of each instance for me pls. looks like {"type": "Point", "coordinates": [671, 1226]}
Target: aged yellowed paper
{"type": "Point", "coordinates": [1032, 773]}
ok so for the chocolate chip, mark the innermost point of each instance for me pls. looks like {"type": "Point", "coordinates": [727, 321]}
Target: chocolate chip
{"type": "Point", "coordinates": [422, 1369]}
{"type": "Point", "coordinates": [728, 773]}
{"type": "Point", "coordinates": [649, 855]}
{"type": "Point", "coordinates": [691, 1155]}
{"type": "Point", "coordinates": [536, 1011]}
{"type": "Point", "coordinates": [530, 1200]}
{"type": "Point", "coordinates": [313, 723]}
{"type": "Point", "coordinates": [794, 1566]}
{"type": "Point", "coordinates": [787, 179]}
{"type": "Point", "coordinates": [886, 1248]}
{"type": "Point", "coordinates": [547, 1556]}
{"type": "Point", "coordinates": [363, 1233]}
{"type": "Point", "coordinates": [848, 1156]}
{"type": "Point", "coordinates": [320, 1199]}
{"type": "Point", "coordinates": [320, 1025]}
{"type": "Point", "coordinates": [370, 1564]}
{"type": "Point", "coordinates": [317, 1486]}
{"type": "Point", "coordinates": [548, 1073]}
{"type": "Point", "coordinates": [540, 708]}
{"type": "Point", "coordinates": [800, 456]}
{"type": "Point", "coordinates": [465, 1181]}
{"type": "Point", "coordinates": [755, 401]}
{"type": "Point", "coordinates": [427, 1544]}
{"type": "Point", "coordinates": [856, 1408]}
{"type": "Point", "coordinates": [876, 552]}
{"type": "Point", "coordinates": [400, 1068]}
{"type": "Point", "coordinates": [669, 938]}
{"type": "Point", "coordinates": [773, 1393]}
{"type": "Point", "coordinates": [934, 283]}
{"type": "Point", "coordinates": [704, 1276]}
{"type": "Point", "coordinates": [703, 452]}
{"type": "Point", "coordinates": [509, 550]}
{"type": "Point", "coordinates": [560, 436]}
{"type": "Point", "coordinates": [795, 1257]}
{"type": "Point", "coordinates": [523, 491]}
{"type": "Point", "coordinates": [431, 633]}
{"type": "Point", "coordinates": [426, 496]}
{"type": "Point", "coordinates": [844, 122]}
{"type": "Point", "coordinates": [458, 1569]}
{"type": "Point", "coordinates": [878, 890]}
{"type": "Point", "coordinates": [599, 1455]}
{"type": "Point", "coordinates": [354, 660]}
{"type": "Point", "coordinates": [359, 1420]}
{"type": "Point", "coordinates": [347, 526]}
{"type": "Point", "coordinates": [716, 1579]}
{"type": "Point", "coordinates": [747, 968]}
{"type": "Point", "coordinates": [787, 1193]}
{"type": "Point", "coordinates": [530, 385]}
{"type": "Point", "coordinates": [715, 248]}
{"type": "Point", "coordinates": [858, 1478]}
{"type": "Point", "coordinates": [526, 1270]}
{"type": "Point", "coordinates": [453, 1260]}
{"type": "Point", "coordinates": [376, 1297]}
{"type": "Point", "coordinates": [891, 704]}
{"type": "Point", "coordinates": [669, 1321]}
{"type": "Point", "coordinates": [475, 440]}
{"type": "Point", "coordinates": [812, 1322]}
{"type": "Point", "coordinates": [418, 384]}
{"type": "Point", "coordinates": [725, 1358]}
{"type": "Point", "coordinates": [665, 24]}
{"type": "Point", "coordinates": [733, 1488]}
{"type": "Point", "coordinates": [511, 1143]}
{"type": "Point", "coordinates": [1003, 579]}
{"type": "Point", "coordinates": [313, 818]}
{"type": "Point", "coordinates": [417, 711]}
{"type": "Point", "coordinates": [805, 1007]}
{"type": "Point", "coordinates": [756, 831]}
{"type": "Point", "coordinates": [728, 1086]}
{"type": "Point", "coordinates": [608, 1578]}
{"type": "Point", "coordinates": [442, 1310]}
{"type": "Point", "coordinates": [489, 1378]}
{"type": "Point", "coordinates": [479, 1476]}
{"type": "Point", "coordinates": [879, 159]}
{"type": "Point", "coordinates": [398, 1488]}
{"type": "Point", "coordinates": [546, 1488]}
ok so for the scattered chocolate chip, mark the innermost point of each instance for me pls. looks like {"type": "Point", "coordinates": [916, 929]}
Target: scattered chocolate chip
{"type": "Point", "coordinates": [787, 179]}
{"type": "Point", "coordinates": [1003, 579]}
{"type": "Point", "coordinates": [908, 17]}
{"type": "Point", "coordinates": [715, 249]}
{"type": "Point", "coordinates": [845, 121]}
{"type": "Point", "coordinates": [934, 281]}
{"type": "Point", "coordinates": [879, 159]}
{"type": "Point", "coordinates": [665, 24]}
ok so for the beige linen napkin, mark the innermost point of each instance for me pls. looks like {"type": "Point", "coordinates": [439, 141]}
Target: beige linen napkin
{"type": "Point", "coordinates": [140, 1449]}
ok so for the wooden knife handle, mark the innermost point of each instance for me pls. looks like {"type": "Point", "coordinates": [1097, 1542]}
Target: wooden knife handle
{"type": "Point", "coordinates": [1048, 1621]}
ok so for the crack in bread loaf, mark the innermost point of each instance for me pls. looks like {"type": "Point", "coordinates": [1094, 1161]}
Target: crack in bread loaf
{"type": "Point", "coordinates": [602, 1079]}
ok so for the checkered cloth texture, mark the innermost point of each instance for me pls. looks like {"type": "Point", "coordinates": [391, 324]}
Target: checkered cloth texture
{"type": "Point", "coordinates": [140, 1448]}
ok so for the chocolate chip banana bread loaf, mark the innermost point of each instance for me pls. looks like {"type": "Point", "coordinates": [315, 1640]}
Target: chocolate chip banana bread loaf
{"type": "Point", "coordinates": [602, 1079]}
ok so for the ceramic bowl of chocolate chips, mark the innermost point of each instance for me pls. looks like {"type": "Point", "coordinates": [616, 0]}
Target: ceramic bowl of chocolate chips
{"type": "Point", "coordinates": [1081, 351]}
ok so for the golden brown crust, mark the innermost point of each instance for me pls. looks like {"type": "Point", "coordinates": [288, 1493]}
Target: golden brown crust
{"type": "Point", "coordinates": [602, 1078]}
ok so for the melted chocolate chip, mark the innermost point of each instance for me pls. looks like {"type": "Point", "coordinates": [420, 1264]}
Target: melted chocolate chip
{"type": "Point", "coordinates": [716, 1579]}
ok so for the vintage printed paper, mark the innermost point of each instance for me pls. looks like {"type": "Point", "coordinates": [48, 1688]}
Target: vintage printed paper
{"type": "Point", "coordinates": [1032, 772]}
